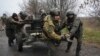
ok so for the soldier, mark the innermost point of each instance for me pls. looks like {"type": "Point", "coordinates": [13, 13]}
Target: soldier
{"type": "Point", "coordinates": [22, 17]}
{"type": "Point", "coordinates": [74, 26]}
{"type": "Point", "coordinates": [3, 18]}
{"type": "Point", "coordinates": [43, 14]}
{"type": "Point", "coordinates": [11, 23]}
{"type": "Point", "coordinates": [51, 26]}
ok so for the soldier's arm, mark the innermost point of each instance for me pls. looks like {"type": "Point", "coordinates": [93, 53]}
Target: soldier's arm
{"type": "Point", "coordinates": [75, 27]}
{"type": "Point", "coordinates": [13, 21]}
{"type": "Point", "coordinates": [53, 33]}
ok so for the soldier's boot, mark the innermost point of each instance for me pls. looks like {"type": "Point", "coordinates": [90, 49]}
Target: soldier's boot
{"type": "Point", "coordinates": [68, 47]}
{"type": "Point", "coordinates": [10, 42]}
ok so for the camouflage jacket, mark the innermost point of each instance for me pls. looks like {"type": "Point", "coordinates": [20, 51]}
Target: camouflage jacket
{"type": "Point", "coordinates": [11, 23]}
{"type": "Point", "coordinates": [49, 27]}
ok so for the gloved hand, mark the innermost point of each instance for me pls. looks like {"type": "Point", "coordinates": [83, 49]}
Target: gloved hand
{"type": "Point", "coordinates": [66, 37]}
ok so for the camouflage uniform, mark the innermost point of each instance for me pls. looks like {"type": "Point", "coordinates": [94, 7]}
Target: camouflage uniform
{"type": "Point", "coordinates": [75, 28]}
{"type": "Point", "coordinates": [10, 33]}
{"type": "Point", "coordinates": [11, 25]}
{"type": "Point", "coordinates": [51, 29]}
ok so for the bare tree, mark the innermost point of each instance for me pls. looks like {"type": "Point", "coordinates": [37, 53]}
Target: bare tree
{"type": "Point", "coordinates": [66, 5]}
{"type": "Point", "coordinates": [93, 5]}
{"type": "Point", "coordinates": [93, 8]}
{"type": "Point", "coordinates": [34, 6]}
{"type": "Point", "coordinates": [63, 5]}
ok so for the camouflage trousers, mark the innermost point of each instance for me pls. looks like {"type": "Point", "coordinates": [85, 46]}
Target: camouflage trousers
{"type": "Point", "coordinates": [10, 33]}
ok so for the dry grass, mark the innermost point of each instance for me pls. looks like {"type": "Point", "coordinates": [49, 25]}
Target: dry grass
{"type": "Point", "coordinates": [91, 32]}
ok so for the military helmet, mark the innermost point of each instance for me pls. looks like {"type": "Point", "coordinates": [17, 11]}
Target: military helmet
{"type": "Point", "coordinates": [14, 15]}
{"type": "Point", "coordinates": [42, 11]}
{"type": "Point", "coordinates": [4, 14]}
{"type": "Point", "coordinates": [70, 13]}
{"type": "Point", "coordinates": [54, 12]}
{"type": "Point", "coordinates": [23, 14]}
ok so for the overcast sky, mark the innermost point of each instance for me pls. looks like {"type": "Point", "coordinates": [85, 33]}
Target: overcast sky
{"type": "Point", "coordinates": [10, 6]}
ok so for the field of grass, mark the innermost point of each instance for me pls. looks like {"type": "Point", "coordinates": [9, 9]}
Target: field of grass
{"type": "Point", "coordinates": [91, 35]}
{"type": "Point", "coordinates": [91, 32]}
